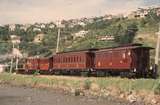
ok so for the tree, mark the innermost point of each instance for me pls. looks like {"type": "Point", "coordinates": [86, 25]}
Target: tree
{"type": "Point", "coordinates": [118, 32]}
{"type": "Point", "coordinates": [4, 33]}
{"type": "Point", "coordinates": [129, 34]}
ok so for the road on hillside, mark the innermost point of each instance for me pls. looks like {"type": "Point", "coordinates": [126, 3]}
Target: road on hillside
{"type": "Point", "coordinates": [11, 95]}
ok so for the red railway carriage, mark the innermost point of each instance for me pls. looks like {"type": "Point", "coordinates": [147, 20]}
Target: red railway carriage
{"type": "Point", "coordinates": [80, 60]}
{"type": "Point", "coordinates": [125, 58]}
{"type": "Point", "coordinates": [31, 64]}
{"type": "Point", "coordinates": [45, 64]}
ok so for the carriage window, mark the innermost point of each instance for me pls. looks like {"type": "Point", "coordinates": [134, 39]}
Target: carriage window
{"type": "Point", "coordinates": [68, 59]}
{"type": "Point", "coordinates": [79, 59]}
{"type": "Point", "coordinates": [58, 60]}
{"type": "Point", "coordinates": [74, 59]}
{"type": "Point", "coordinates": [71, 59]}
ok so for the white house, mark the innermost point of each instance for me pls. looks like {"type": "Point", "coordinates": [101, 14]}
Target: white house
{"type": "Point", "coordinates": [2, 68]}
{"type": "Point", "coordinates": [158, 11]}
{"type": "Point", "coordinates": [81, 23]}
{"type": "Point", "coordinates": [36, 29]}
{"type": "Point", "coordinates": [43, 25]}
{"type": "Point", "coordinates": [107, 17]}
{"type": "Point", "coordinates": [12, 27]}
{"type": "Point", "coordinates": [52, 26]}
{"type": "Point", "coordinates": [16, 53]}
{"type": "Point", "coordinates": [15, 39]}
{"type": "Point", "coordinates": [23, 28]}
{"type": "Point", "coordinates": [38, 38]}
{"type": "Point", "coordinates": [140, 13]}
{"type": "Point", "coordinates": [105, 38]}
{"type": "Point", "coordinates": [80, 34]}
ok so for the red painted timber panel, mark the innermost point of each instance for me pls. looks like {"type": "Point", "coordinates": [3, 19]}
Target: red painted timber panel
{"type": "Point", "coordinates": [72, 60]}
{"type": "Point", "coordinates": [113, 59]}
{"type": "Point", "coordinates": [44, 64]}
{"type": "Point", "coordinates": [31, 64]}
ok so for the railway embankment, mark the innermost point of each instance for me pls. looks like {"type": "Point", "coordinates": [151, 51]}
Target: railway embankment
{"type": "Point", "coordinates": [133, 90]}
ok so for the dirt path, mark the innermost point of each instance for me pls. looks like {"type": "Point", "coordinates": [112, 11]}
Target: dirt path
{"type": "Point", "coordinates": [31, 96]}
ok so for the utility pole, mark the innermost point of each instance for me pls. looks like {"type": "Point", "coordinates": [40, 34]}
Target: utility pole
{"type": "Point", "coordinates": [15, 40]}
{"type": "Point", "coordinates": [157, 56]}
{"type": "Point", "coordinates": [58, 38]}
{"type": "Point", "coordinates": [17, 60]}
{"type": "Point", "coordinates": [157, 48]}
{"type": "Point", "coordinates": [155, 68]}
{"type": "Point", "coordinates": [11, 66]}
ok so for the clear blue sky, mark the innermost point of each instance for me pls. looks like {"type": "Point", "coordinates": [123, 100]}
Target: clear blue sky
{"type": "Point", "coordinates": [30, 11]}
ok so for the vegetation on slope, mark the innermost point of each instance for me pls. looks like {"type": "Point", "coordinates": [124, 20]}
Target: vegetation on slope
{"type": "Point", "coordinates": [122, 29]}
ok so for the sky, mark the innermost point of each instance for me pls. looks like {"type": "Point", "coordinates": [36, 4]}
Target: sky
{"type": "Point", "coordinates": [31, 11]}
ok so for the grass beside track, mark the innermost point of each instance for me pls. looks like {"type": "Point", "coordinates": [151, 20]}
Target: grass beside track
{"type": "Point", "coordinates": [123, 84]}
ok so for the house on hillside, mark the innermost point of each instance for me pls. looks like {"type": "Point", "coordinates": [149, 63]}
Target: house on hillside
{"type": "Point", "coordinates": [36, 29]}
{"type": "Point", "coordinates": [81, 23]}
{"type": "Point", "coordinates": [23, 27]}
{"type": "Point", "coordinates": [38, 38]}
{"type": "Point", "coordinates": [140, 13]}
{"type": "Point", "coordinates": [15, 39]}
{"type": "Point", "coordinates": [89, 20]}
{"type": "Point", "coordinates": [2, 68]}
{"type": "Point", "coordinates": [105, 38]}
{"type": "Point", "coordinates": [12, 27]}
{"type": "Point", "coordinates": [80, 34]}
{"type": "Point", "coordinates": [42, 26]}
{"type": "Point", "coordinates": [17, 53]}
{"type": "Point", "coordinates": [158, 11]}
{"type": "Point", "coordinates": [52, 26]}
{"type": "Point", "coordinates": [108, 17]}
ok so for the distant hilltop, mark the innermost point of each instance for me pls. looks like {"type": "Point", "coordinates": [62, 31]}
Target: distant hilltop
{"type": "Point", "coordinates": [137, 14]}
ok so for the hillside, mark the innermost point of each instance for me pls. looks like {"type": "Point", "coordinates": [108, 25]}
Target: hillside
{"type": "Point", "coordinates": [82, 33]}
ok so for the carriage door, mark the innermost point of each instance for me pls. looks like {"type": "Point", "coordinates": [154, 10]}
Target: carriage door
{"type": "Point", "coordinates": [142, 60]}
{"type": "Point", "coordinates": [90, 60]}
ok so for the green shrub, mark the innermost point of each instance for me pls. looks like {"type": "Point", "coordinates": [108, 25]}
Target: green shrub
{"type": "Point", "coordinates": [36, 73]}
{"type": "Point", "coordinates": [157, 89]}
{"type": "Point", "coordinates": [87, 84]}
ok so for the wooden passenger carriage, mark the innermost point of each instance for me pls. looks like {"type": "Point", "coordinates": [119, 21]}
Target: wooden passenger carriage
{"type": "Point", "coordinates": [77, 61]}
{"type": "Point", "coordinates": [125, 59]}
